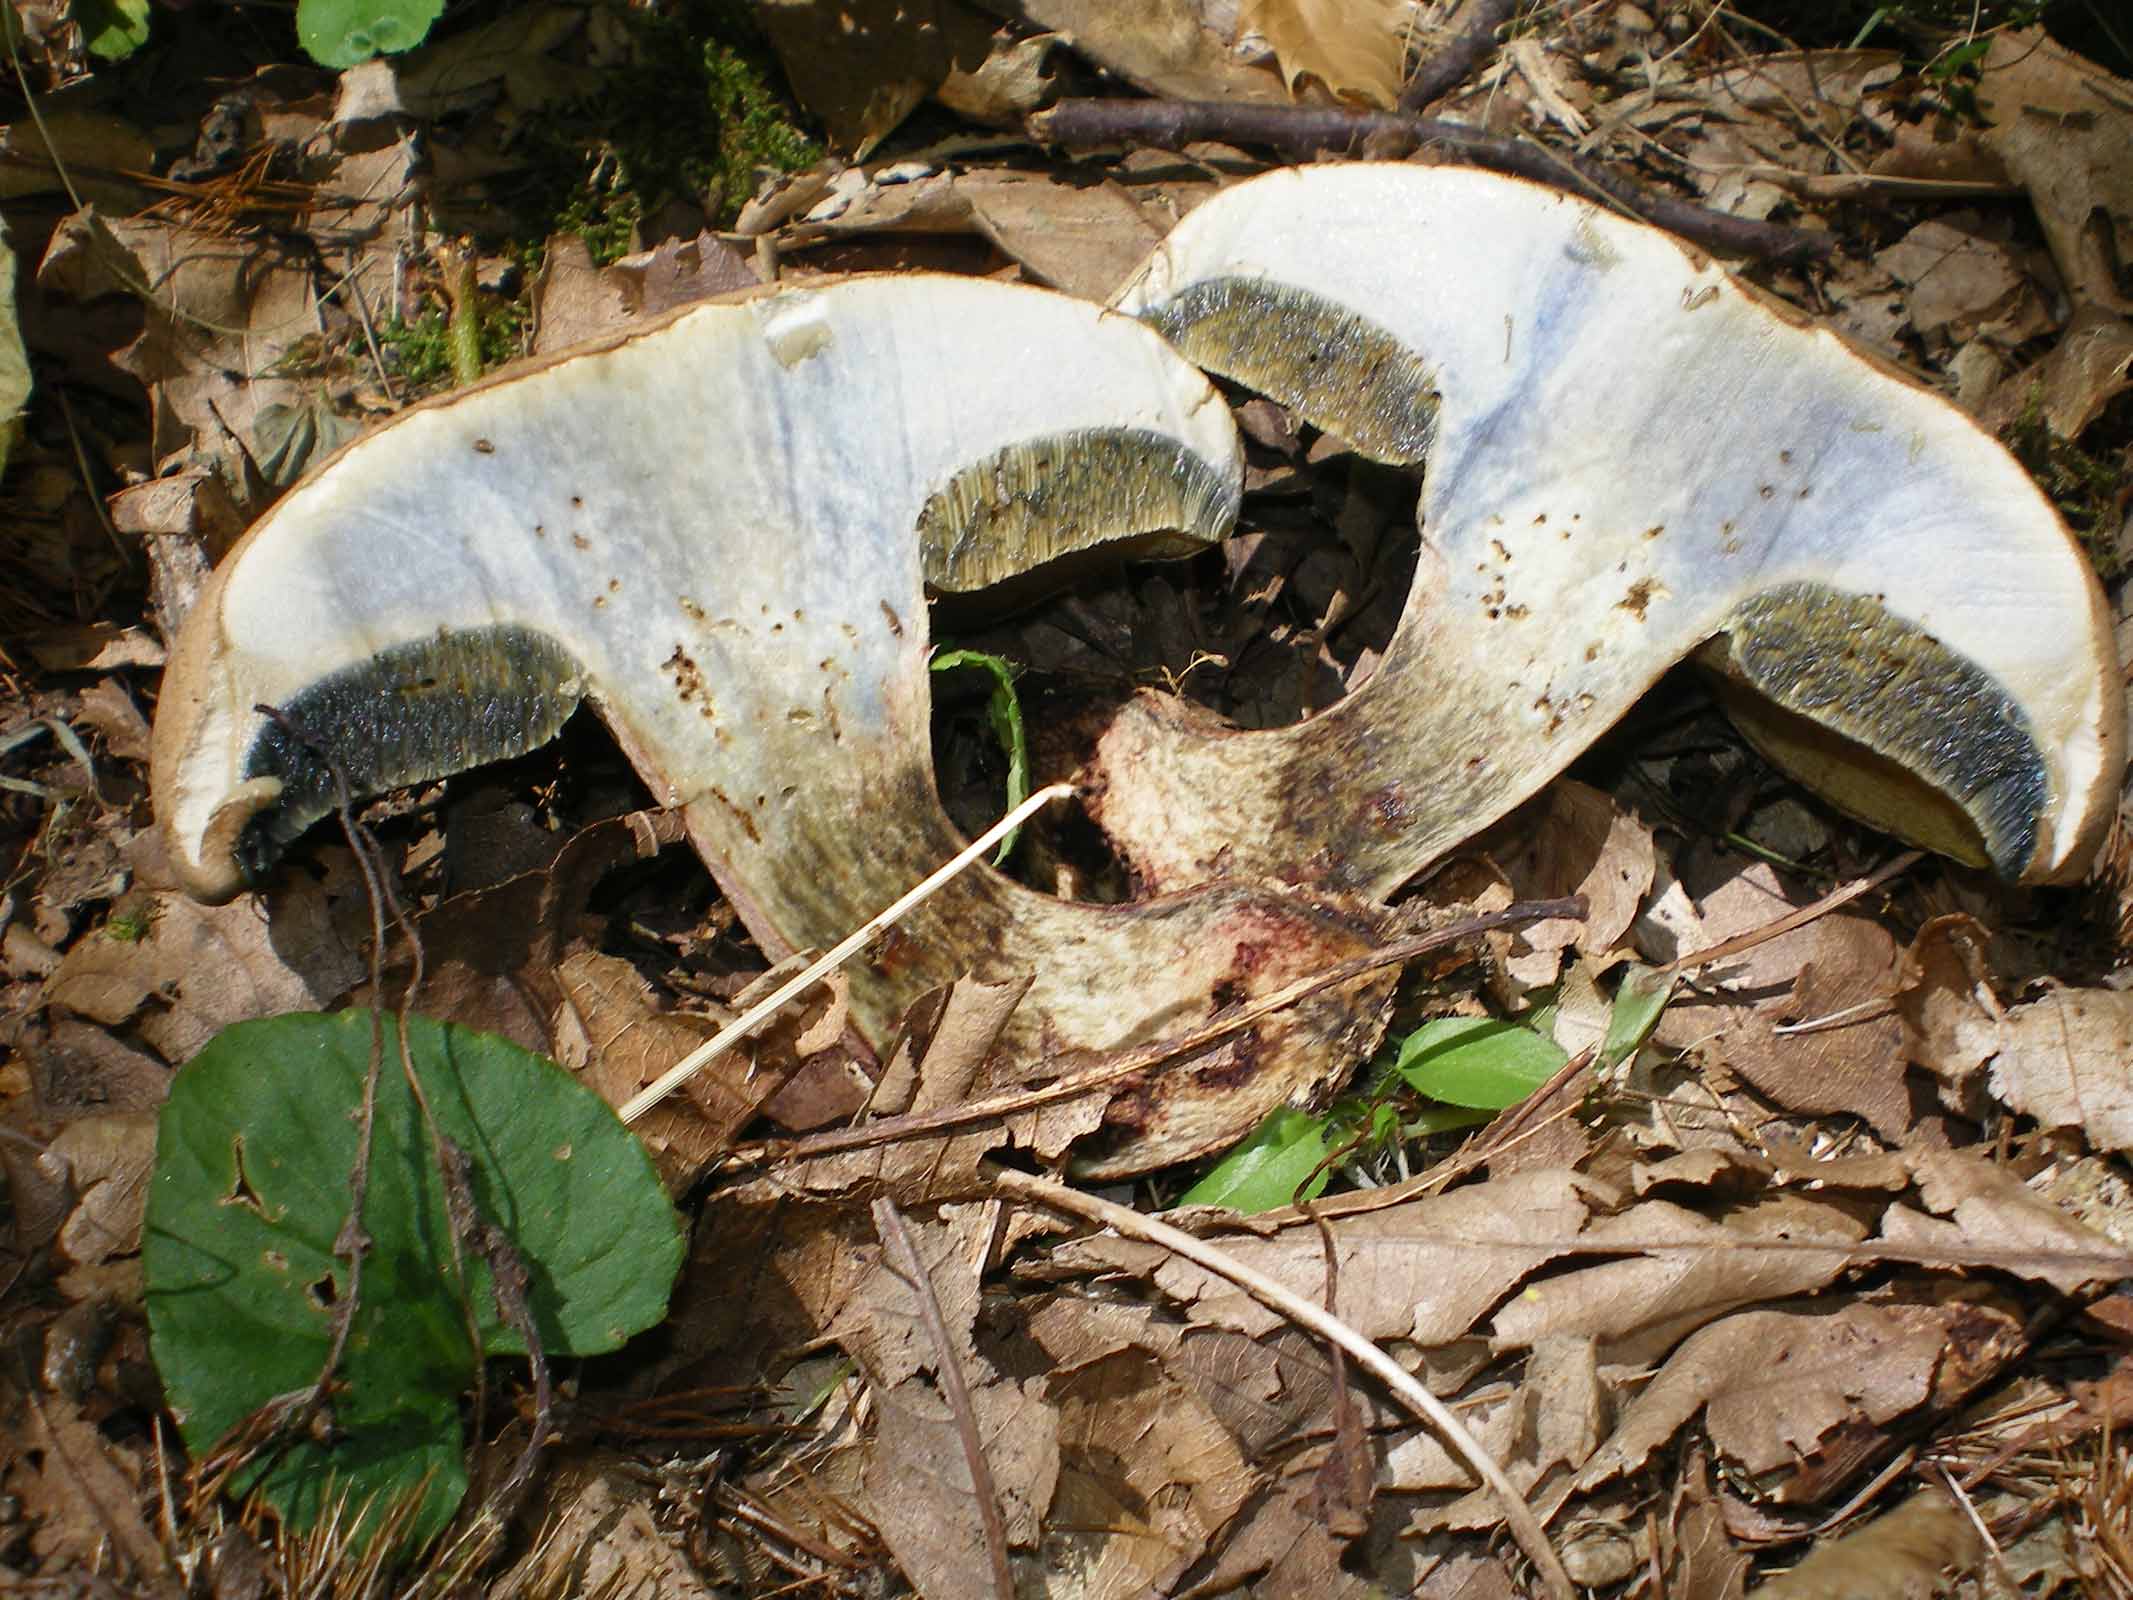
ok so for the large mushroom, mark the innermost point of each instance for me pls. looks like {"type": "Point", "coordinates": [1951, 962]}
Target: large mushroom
{"type": "Point", "coordinates": [718, 531]}
{"type": "Point", "coordinates": [1630, 459]}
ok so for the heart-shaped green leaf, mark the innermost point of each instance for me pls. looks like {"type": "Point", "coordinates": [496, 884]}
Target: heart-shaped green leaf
{"type": "Point", "coordinates": [253, 1155]}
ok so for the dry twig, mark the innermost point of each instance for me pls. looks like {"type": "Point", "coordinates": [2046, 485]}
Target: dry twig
{"type": "Point", "coordinates": [1308, 130]}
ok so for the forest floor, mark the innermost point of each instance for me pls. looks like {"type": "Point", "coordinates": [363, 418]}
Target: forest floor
{"type": "Point", "coordinates": [1796, 1241]}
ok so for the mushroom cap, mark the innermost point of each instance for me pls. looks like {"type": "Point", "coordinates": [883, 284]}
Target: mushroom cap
{"type": "Point", "coordinates": [718, 531]}
{"type": "Point", "coordinates": [664, 524]}
{"type": "Point", "coordinates": [1629, 458]}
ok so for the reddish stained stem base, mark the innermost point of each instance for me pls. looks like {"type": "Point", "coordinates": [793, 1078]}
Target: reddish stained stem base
{"type": "Point", "coordinates": [1309, 130]}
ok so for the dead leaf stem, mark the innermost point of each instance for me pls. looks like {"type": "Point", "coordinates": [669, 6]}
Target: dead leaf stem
{"type": "Point", "coordinates": [903, 1260]}
{"type": "Point", "coordinates": [1308, 130]}
{"type": "Point", "coordinates": [1524, 1525]}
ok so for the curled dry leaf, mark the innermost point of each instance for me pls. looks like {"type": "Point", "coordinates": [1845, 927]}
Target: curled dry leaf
{"type": "Point", "coordinates": [1356, 48]}
{"type": "Point", "coordinates": [223, 312]}
{"type": "Point", "coordinates": [609, 1032]}
{"type": "Point", "coordinates": [1778, 1387]}
{"type": "Point", "coordinates": [1951, 1020]}
{"type": "Point", "coordinates": [2060, 125]}
{"type": "Point", "coordinates": [1426, 1269]}
{"type": "Point", "coordinates": [195, 969]}
{"type": "Point", "coordinates": [1807, 1018]}
{"type": "Point", "coordinates": [1905, 1554]}
{"type": "Point", "coordinates": [1180, 49]}
{"type": "Point", "coordinates": [1641, 1306]}
{"type": "Point", "coordinates": [1979, 1208]}
{"type": "Point", "coordinates": [1577, 841]}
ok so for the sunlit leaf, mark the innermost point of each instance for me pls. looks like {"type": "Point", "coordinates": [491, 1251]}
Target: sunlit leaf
{"type": "Point", "coordinates": [1477, 1062]}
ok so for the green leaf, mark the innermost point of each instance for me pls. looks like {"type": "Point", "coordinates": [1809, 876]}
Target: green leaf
{"type": "Point", "coordinates": [253, 1154]}
{"type": "Point", "coordinates": [1477, 1062]}
{"type": "Point", "coordinates": [346, 33]}
{"type": "Point", "coordinates": [1262, 1173]}
{"type": "Point", "coordinates": [112, 29]}
{"type": "Point", "coordinates": [1006, 712]}
{"type": "Point", "coordinates": [1639, 1002]}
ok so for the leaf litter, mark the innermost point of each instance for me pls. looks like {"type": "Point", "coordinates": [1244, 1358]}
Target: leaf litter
{"type": "Point", "coordinates": [1794, 1248]}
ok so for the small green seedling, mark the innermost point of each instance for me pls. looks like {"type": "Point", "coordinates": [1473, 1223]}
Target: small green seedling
{"type": "Point", "coordinates": [254, 1152]}
{"type": "Point", "coordinates": [1005, 709]}
{"type": "Point", "coordinates": [1479, 1063]}
{"type": "Point", "coordinates": [1471, 1067]}
{"type": "Point", "coordinates": [1264, 1173]}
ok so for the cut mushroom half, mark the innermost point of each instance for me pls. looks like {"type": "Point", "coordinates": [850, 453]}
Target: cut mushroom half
{"type": "Point", "coordinates": [718, 532]}
{"type": "Point", "coordinates": [1629, 460]}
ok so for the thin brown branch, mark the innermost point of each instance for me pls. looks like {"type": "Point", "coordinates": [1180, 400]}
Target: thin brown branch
{"type": "Point", "coordinates": [1459, 60]}
{"type": "Point", "coordinates": [1842, 895]}
{"type": "Point", "coordinates": [1143, 1058]}
{"type": "Point", "coordinates": [1309, 130]}
{"type": "Point", "coordinates": [904, 1261]}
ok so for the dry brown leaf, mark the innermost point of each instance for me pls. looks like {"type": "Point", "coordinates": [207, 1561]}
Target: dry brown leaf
{"type": "Point", "coordinates": [105, 1162]}
{"type": "Point", "coordinates": [1699, 1557]}
{"type": "Point", "coordinates": [1988, 1208]}
{"type": "Point", "coordinates": [1641, 1306]}
{"type": "Point", "coordinates": [110, 710]}
{"type": "Point", "coordinates": [767, 1273]}
{"type": "Point", "coordinates": [1015, 78]}
{"type": "Point", "coordinates": [1282, 1546]}
{"type": "Point", "coordinates": [2061, 126]}
{"type": "Point", "coordinates": [1820, 91]}
{"type": "Point", "coordinates": [1577, 841]}
{"type": "Point", "coordinates": [1777, 1386]}
{"type": "Point", "coordinates": [880, 1322]}
{"type": "Point", "coordinates": [492, 952]}
{"type": "Point", "coordinates": [1356, 48]}
{"type": "Point", "coordinates": [1147, 1478]}
{"type": "Point", "coordinates": [95, 147]}
{"type": "Point", "coordinates": [1424, 1269]}
{"type": "Point", "coordinates": [78, 1069]}
{"type": "Point", "coordinates": [936, 1066]}
{"type": "Point", "coordinates": [609, 1032]}
{"type": "Point", "coordinates": [575, 301]}
{"type": "Point", "coordinates": [1958, 281]}
{"type": "Point", "coordinates": [2090, 366]}
{"type": "Point", "coordinates": [862, 66]}
{"type": "Point", "coordinates": [919, 1483]}
{"type": "Point", "coordinates": [598, 1537]}
{"type": "Point", "coordinates": [1907, 1554]}
{"type": "Point", "coordinates": [1951, 1019]}
{"type": "Point", "coordinates": [1181, 49]}
{"type": "Point", "coordinates": [80, 1504]}
{"type": "Point", "coordinates": [2067, 1061]}
{"type": "Point", "coordinates": [222, 314]}
{"type": "Point", "coordinates": [1806, 1018]}
{"type": "Point", "coordinates": [197, 969]}
{"type": "Point", "coordinates": [1083, 238]}
{"type": "Point", "coordinates": [506, 60]}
